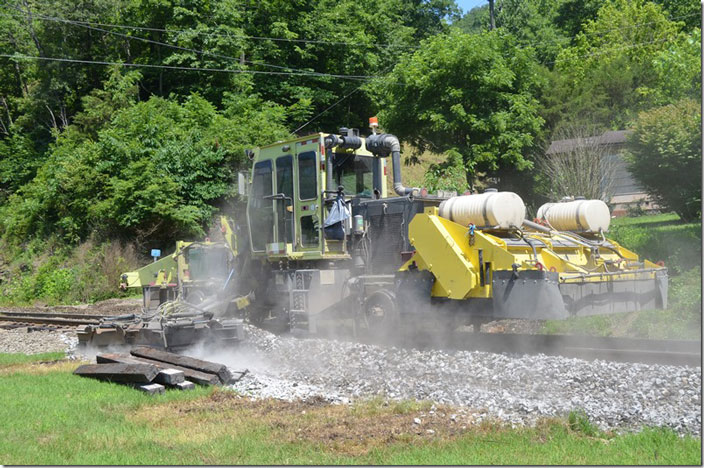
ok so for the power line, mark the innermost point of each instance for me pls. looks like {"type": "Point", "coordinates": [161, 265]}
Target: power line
{"type": "Point", "coordinates": [88, 23]}
{"type": "Point", "coordinates": [171, 67]}
{"type": "Point", "coordinates": [338, 101]}
{"type": "Point", "coordinates": [327, 109]}
{"type": "Point", "coordinates": [196, 51]}
{"type": "Point", "coordinates": [403, 84]}
{"type": "Point", "coordinates": [240, 36]}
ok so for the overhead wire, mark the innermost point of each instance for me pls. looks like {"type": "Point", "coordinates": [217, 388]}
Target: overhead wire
{"type": "Point", "coordinates": [347, 43]}
{"type": "Point", "coordinates": [168, 67]}
{"type": "Point", "coordinates": [305, 72]}
{"type": "Point", "coordinates": [339, 101]}
{"type": "Point", "coordinates": [196, 51]}
{"type": "Point", "coordinates": [292, 71]}
{"type": "Point", "coordinates": [615, 49]}
{"type": "Point", "coordinates": [242, 36]}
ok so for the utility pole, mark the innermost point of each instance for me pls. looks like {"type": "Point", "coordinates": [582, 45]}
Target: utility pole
{"type": "Point", "coordinates": [491, 15]}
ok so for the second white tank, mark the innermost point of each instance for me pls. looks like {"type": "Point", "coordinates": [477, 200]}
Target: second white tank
{"type": "Point", "coordinates": [577, 215]}
{"type": "Point", "coordinates": [488, 209]}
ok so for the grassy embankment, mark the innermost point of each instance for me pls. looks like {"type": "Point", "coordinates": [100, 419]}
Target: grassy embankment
{"type": "Point", "coordinates": [657, 237]}
{"type": "Point", "coordinates": [53, 417]}
{"type": "Point", "coordinates": [51, 272]}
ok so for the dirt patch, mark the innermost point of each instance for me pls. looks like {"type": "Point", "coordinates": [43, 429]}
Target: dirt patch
{"type": "Point", "coordinates": [344, 429]}
{"type": "Point", "coordinates": [43, 367]}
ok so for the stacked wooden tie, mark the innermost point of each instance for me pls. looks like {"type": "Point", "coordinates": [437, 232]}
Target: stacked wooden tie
{"type": "Point", "coordinates": [152, 370]}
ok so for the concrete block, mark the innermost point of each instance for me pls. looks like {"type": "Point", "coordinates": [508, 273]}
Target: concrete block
{"type": "Point", "coordinates": [185, 385]}
{"type": "Point", "coordinates": [152, 389]}
{"type": "Point", "coordinates": [169, 377]}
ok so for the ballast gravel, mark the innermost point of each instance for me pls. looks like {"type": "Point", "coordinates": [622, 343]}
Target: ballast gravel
{"type": "Point", "coordinates": [517, 389]}
{"type": "Point", "coordinates": [22, 340]}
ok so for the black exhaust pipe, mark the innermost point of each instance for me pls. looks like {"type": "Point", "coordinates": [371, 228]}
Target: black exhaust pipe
{"type": "Point", "coordinates": [385, 144]}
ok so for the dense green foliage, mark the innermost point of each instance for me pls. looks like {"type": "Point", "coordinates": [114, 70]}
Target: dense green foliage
{"type": "Point", "coordinates": [156, 170]}
{"type": "Point", "coordinates": [666, 146]}
{"type": "Point", "coordinates": [146, 152]}
{"type": "Point", "coordinates": [471, 95]}
{"type": "Point", "coordinates": [616, 68]}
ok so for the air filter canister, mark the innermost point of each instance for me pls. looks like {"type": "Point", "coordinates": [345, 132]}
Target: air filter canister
{"type": "Point", "coordinates": [489, 209]}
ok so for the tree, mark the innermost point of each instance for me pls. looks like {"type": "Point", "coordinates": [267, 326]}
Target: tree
{"type": "Point", "coordinates": [615, 69]}
{"type": "Point", "coordinates": [475, 20]}
{"type": "Point", "coordinates": [154, 170]}
{"type": "Point", "coordinates": [665, 156]}
{"type": "Point", "coordinates": [533, 24]}
{"type": "Point", "coordinates": [572, 14]}
{"type": "Point", "coordinates": [470, 94]}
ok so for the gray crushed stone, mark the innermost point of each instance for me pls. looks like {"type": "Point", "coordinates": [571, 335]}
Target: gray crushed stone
{"type": "Point", "coordinates": [517, 389]}
{"type": "Point", "coordinates": [20, 340]}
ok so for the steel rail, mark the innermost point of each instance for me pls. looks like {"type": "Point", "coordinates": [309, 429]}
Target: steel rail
{"type": "Point", "coordinates": [4, 313]}
{"type": "Point", "coordinates": [634, 350]}
{"type": "Point", "coordinates": [665, 352]}
{"type": "Point", "coordinates": [52, 320]}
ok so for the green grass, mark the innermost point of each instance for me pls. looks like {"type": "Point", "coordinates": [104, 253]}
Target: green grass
{"type": "Point", "coordinates": [554, 446]}
{"type": "Point", "coordinates": [661, 237]}
{"type": "Point", "coordinates": [8, 359]}
{"type": "Point", "coordinates": [53, 417]}
{"type": "Point", "coordinates": [663, 218]}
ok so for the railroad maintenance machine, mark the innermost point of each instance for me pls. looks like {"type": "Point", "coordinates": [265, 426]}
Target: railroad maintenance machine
{"type": "Point", "coordinates": [321, 243]}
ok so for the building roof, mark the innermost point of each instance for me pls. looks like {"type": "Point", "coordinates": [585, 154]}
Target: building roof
{"type": "Point", "coordinates": [611, 137]}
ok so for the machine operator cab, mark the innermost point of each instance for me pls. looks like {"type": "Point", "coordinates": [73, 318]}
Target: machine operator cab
{"type": "Point", "coordinates": [295, 184]}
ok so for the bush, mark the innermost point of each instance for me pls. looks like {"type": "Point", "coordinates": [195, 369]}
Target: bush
{"type": "Point", "coordinates": [87, 273]}
{"type": "Point", "coordinates": [665, 156]}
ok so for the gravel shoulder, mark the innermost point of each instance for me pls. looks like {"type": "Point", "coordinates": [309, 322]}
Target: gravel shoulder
{"type": "Point", "coordinates": [517, 389]}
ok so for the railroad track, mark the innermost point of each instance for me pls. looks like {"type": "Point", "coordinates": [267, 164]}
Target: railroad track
{"type": "Point", "coordinates": [668, 352]}
{"type": "Point", "coordinates": [60, 319]}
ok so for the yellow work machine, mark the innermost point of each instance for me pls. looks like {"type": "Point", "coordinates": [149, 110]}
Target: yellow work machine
{"type": "Point", "coordinates": [325, 238]}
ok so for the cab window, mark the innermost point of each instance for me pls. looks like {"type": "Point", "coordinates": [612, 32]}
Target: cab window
{"type": "Point", "coordinates": [354, 173]}
{"type": "Point", "coordinates": [284, 185]}
{"type": "Point", "coordinates": [261, 215]}
{"type": "Point", "coordinates": [307, 176]}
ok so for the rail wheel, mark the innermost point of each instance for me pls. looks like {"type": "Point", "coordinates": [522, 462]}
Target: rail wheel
{"type": "Point", "coordinates": [380, 312]}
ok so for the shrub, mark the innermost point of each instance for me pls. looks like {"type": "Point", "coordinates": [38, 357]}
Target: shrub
{"type": "Point", "coordinates": [665, 156]}
{"type": "Point", "coordinates": [87, 273]}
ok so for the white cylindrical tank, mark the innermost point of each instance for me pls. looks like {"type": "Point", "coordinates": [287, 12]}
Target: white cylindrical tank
{"type": "Point", "coordinates": [488, 209]}
{"type": "Point", "coordinates": [577, 215]}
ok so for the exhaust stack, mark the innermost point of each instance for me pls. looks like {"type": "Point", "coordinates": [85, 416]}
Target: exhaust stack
{"type": "Point", "coordinates": [383, 144]}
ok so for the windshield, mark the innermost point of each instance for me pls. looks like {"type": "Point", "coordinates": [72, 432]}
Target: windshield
{"type": "Point", "coordinates": [355, 174]}
{"type": "Point", "coordinates": [207, 262]}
